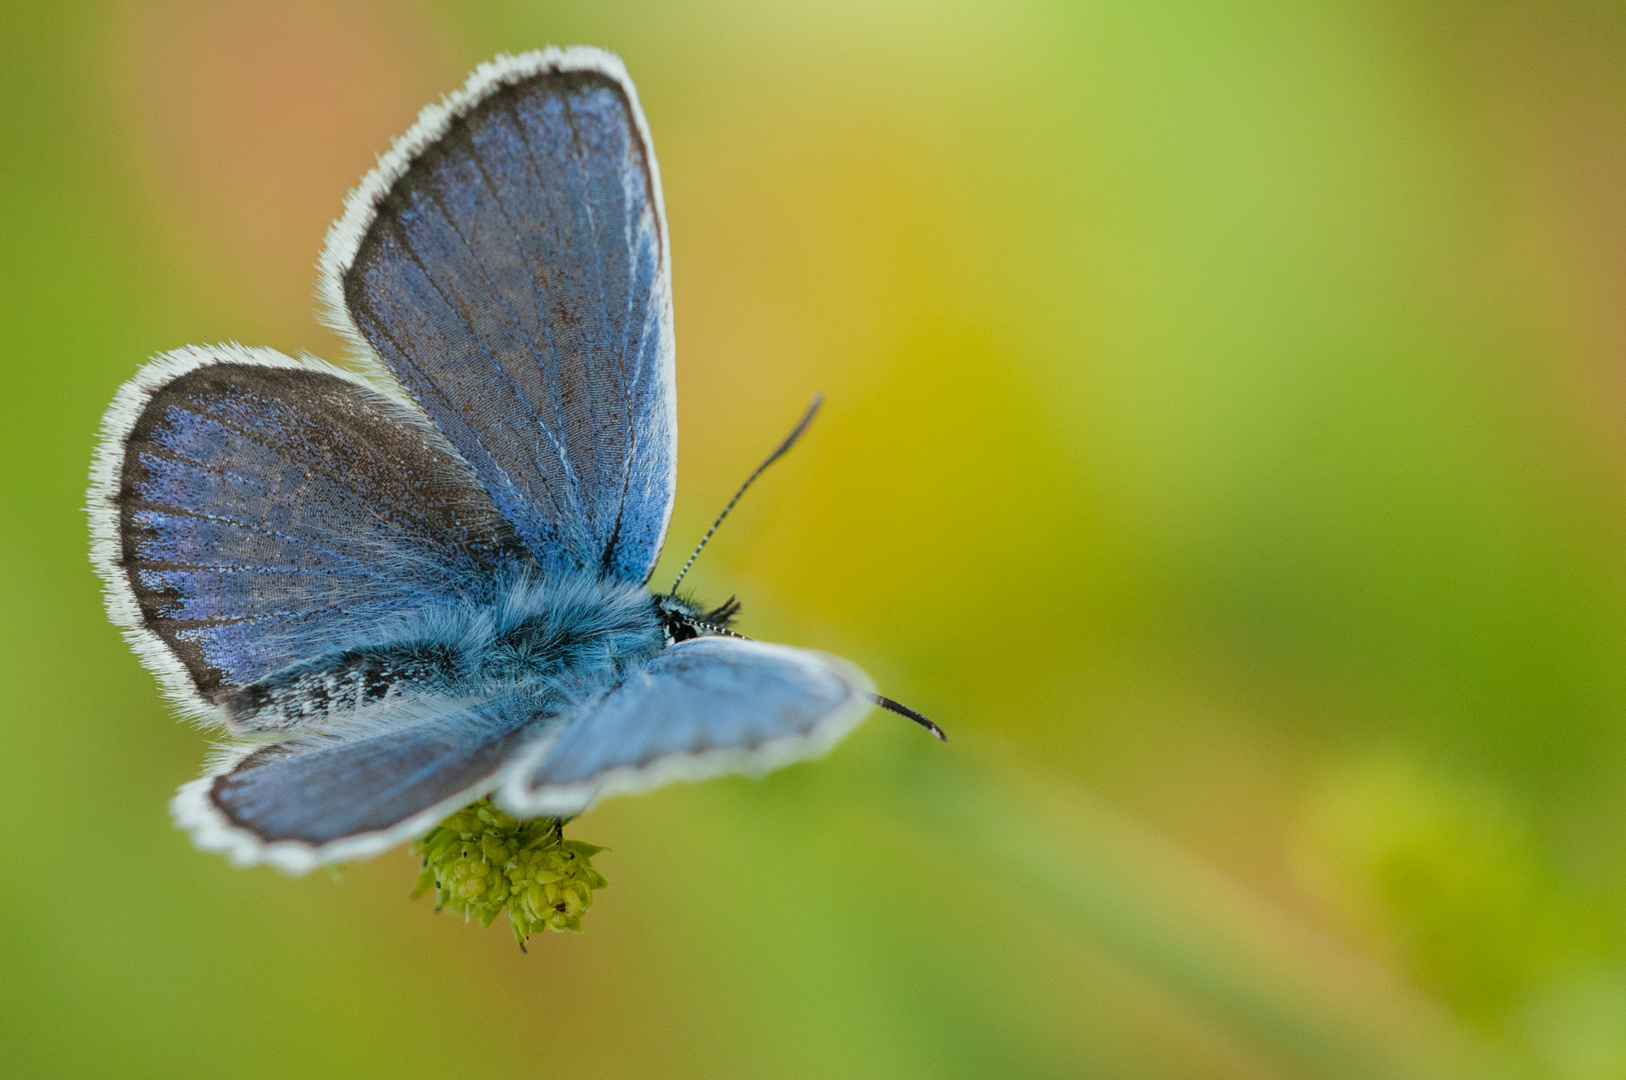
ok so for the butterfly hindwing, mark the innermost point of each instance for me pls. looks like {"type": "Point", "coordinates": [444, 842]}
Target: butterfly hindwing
{"type": "Point", "coordinates": [702, 708]}
{"type": "Point", "coordinates": [319, 800]}
{"type": "Point", "coordinates": [507, 262]}
{"type": "Point", "coordinates": [249, 510]}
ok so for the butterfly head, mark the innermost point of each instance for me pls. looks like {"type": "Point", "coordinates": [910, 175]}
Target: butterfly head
{"type": "Point", "coordinates": [682, 619]}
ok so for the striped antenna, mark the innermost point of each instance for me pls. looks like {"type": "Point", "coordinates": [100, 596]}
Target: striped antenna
{"type": "Point", "coordinates": [779, 452]}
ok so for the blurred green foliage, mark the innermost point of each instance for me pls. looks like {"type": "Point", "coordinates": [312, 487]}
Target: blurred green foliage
{"type": "Point", "coordinates": [1224, 442]}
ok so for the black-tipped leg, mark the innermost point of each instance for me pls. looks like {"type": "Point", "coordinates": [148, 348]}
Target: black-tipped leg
{"type": "Point", "coordinates": [903, 710]}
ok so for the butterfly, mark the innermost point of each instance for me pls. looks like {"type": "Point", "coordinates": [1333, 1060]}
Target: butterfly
{"type": "Point", "coordinates": [401, 588]}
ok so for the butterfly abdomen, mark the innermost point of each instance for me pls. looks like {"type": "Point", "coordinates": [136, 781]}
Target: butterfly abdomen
{"type": "Point", "coordinates": [557, 638]}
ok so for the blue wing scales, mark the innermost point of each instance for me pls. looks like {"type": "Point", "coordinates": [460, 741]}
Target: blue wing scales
{"type": "Point", "coordinates": [249, 510]}
{"type": "Point", "coordinates": [507, 262]}
{"type": "Point", "coordinates": [319, 800]}
{"type": "Point", "coordinates": [702, 708]}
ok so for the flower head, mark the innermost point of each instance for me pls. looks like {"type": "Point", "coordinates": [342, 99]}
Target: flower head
{"type": "Point", "coordinates": [481, 860]}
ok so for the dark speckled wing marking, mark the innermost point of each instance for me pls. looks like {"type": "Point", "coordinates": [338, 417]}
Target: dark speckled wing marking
{"type": "Point", "coordinates": [264, 512]}
{"type": "Point", "coordinates": [515, 280]}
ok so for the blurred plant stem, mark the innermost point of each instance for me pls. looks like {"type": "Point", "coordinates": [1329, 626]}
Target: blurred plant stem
{"type": "Point", "coordinates": [1224, 953]}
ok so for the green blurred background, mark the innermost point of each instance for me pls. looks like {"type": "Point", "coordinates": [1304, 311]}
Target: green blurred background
{"type": "Point", "coordinates": [1226, 442]}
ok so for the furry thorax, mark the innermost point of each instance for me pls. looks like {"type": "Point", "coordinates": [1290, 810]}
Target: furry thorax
{"type": "Point", "coordinates": [560, 640]}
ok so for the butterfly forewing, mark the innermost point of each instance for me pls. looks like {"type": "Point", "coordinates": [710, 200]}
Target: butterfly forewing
{"type": "Point", "coordinates": [508, 265]}
{"type": "Point", "coordinates": [258, 509]}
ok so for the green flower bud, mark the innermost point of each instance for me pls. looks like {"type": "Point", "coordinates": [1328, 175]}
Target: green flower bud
{"type": "Point", "coordinates": [481, 860]}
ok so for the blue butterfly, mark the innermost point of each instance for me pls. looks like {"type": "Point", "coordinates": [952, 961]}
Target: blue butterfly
{"type": "Point", "coordinates": [402, 590]}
